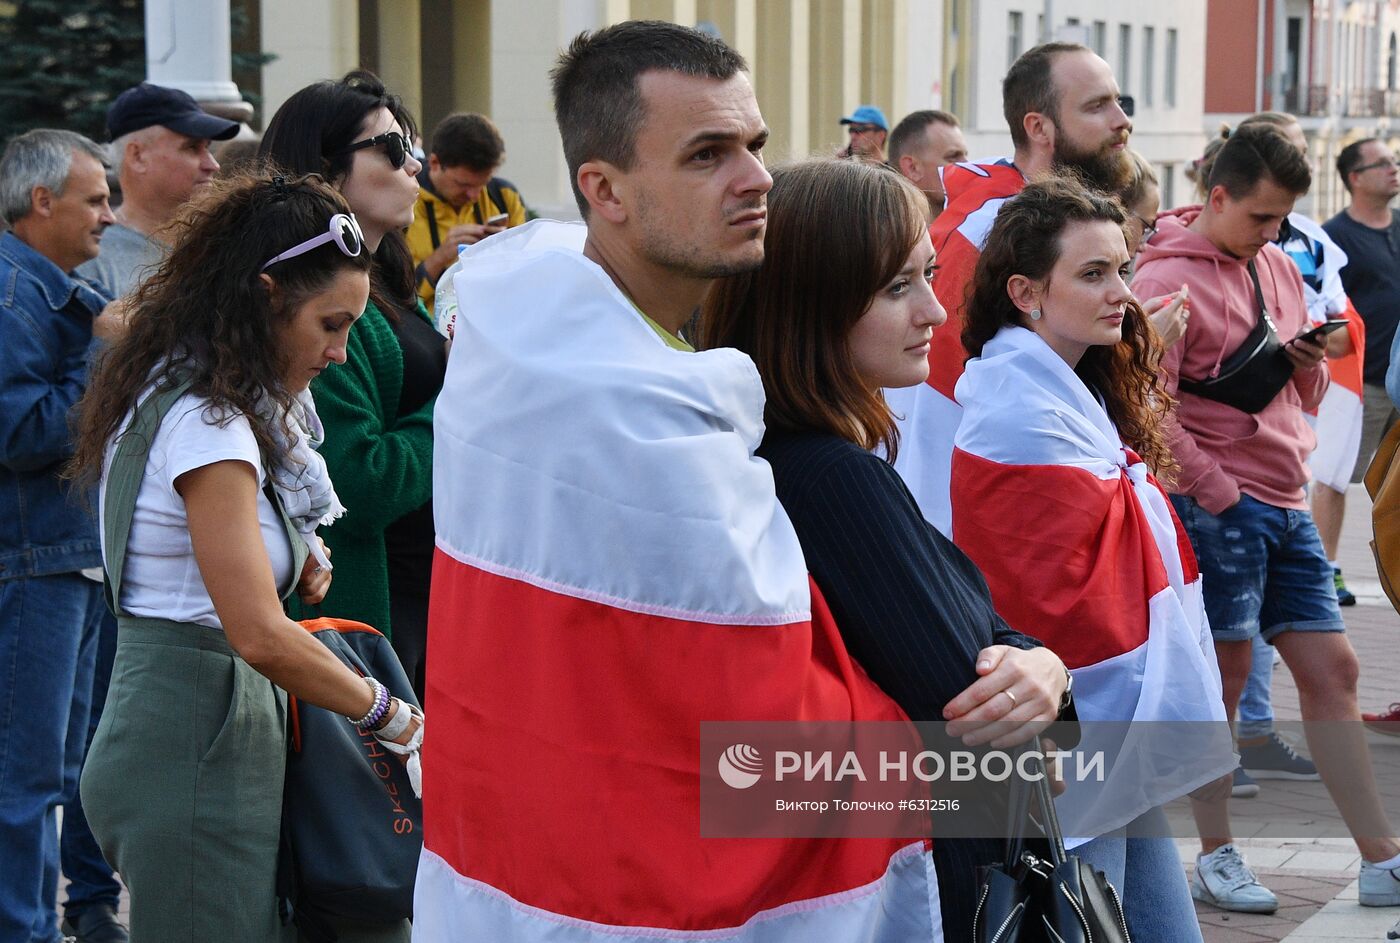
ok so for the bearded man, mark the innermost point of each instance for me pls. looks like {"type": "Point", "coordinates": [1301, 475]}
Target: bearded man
{"type": "Point", "coordinates": [1062, 105]}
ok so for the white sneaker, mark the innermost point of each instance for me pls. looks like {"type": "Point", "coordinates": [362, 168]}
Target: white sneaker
{"type": "Point", "coordinates": [1379, 887]}
{"type": "Point", "coordinates": [1223, 879]}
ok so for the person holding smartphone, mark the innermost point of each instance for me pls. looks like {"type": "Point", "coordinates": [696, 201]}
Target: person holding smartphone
{"type": "Point", "coordinates": [460, 201]}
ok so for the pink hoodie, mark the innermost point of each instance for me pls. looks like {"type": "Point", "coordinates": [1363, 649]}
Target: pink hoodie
{"type": "Point", "coordinates": [1222, 450]}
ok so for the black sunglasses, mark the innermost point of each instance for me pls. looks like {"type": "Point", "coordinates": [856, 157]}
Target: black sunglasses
{"type": "Point", "coordinates": [396, 147]}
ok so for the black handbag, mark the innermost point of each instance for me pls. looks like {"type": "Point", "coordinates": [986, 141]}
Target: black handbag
{"type": "Point", "coordinates": [1032, 897]}
{"type": "Point", "coordinates": [352, 829]}
{"type": "Point", "coordinates": [1253, 375]}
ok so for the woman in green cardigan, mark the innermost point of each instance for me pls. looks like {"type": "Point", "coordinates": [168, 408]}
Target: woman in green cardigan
{"type": "Point", "coordinates": [378, 407]}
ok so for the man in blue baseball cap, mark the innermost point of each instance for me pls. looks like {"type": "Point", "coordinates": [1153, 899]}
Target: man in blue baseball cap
{"type": "Point", "coordinates": [160, 152]}
{"type": "Point", "coordinates": [868, 129]}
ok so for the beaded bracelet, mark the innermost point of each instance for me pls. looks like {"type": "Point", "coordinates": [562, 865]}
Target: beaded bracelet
{"type": "Point", "coordinates": [375, 715]}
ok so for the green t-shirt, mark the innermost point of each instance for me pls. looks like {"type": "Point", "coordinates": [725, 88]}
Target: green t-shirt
{"type": "Point", "coordinates": [671, 340]}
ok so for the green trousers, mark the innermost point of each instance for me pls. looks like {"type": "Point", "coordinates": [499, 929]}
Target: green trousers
{"type": "Point", "coordinates": [183, 786]}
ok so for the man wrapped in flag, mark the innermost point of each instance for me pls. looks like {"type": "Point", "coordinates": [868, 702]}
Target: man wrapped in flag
{"type": "Point", "coordinates": [1063, 110]}
{"type": "Point", "coordinates": [613, 567]}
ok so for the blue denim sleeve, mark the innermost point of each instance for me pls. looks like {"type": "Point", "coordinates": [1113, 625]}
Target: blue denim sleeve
{"type": "Point", "coordinates": [1392, 374]}
{"type": "Point", "coordinates": [39, 384]}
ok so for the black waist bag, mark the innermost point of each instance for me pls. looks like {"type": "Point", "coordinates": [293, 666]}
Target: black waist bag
{"type": "Point", "coordinates": [351, 827]}
{"type": "Point", "coordinates": [1253, 375]}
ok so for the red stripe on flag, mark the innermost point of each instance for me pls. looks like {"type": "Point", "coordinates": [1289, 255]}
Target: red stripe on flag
{"type": "Point", "coordinates": [1070, 557]}
{"type": "Point", "coordinates": [563, 768]}
{"type": "Point", "coordinates": [957, 258]}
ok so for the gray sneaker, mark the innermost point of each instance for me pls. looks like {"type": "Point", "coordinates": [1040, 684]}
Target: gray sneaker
{"type": "Point", "coordinates": [1379, 887]}
{"type": "Point", "coordinates": [1274, 759]}
{"type": "Point", "coordinates": [1223, 879]}
{"type": "Point", "coordinates": [1243, 787]}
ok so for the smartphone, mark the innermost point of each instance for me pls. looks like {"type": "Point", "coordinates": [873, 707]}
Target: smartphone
{"type": "Point", "coordinates": [498, 220]}
{"type": "Point", "coordinates": [1323, 329]}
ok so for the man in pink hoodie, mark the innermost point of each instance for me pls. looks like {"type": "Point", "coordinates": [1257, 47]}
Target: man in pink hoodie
{"type": "Point", "coordinates": [1239, 492]}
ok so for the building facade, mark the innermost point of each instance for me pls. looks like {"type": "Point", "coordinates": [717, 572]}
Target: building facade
{"type": "Point", "coordinates": [812, 61]}
{"type": "Point", "coordinates": [1333, 63]}
{"type": "Point", "coordinates": [1153, 49]}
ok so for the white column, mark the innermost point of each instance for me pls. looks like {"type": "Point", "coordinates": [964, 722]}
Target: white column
{"type": "Point", "coordinates": [187, 47]}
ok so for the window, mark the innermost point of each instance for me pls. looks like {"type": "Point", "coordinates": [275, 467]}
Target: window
{"type": "Point", "coordinates": [1125, 56]}
{"type": "Point", "coordinates": [1169, 89]}
{"type": "Point", "coordinates": [1149, 43]}
{"type": "Point", "coordinates": [1013, 37]}
{"type": "Point", "coordinates": [1099, 36]}
{"type": "Point", "coordinates": [1168, 178]}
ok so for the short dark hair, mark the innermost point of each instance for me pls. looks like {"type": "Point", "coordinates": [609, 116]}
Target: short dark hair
{"type": "Point", "coordinates": [1027, 87]}
{"type": "Point", "coordinates": [1254, 152]}
{"type": "Point", "coordinates": [1350, 159]}
{"type": "Point", "coordinates": [467, 139]}
{"type": "Point", "coordinates": [912, 126]}
{"type": "Point", "coordinates": [597, 104]}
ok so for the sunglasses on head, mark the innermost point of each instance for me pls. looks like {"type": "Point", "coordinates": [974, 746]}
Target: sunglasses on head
{"type": "Point", "coordinates": [343, 230]}
{"type": "Point", "coordinates": [396, 147]}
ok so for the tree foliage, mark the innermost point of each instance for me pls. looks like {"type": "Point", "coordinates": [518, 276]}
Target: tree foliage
{"type": "Point", "coordinates": [65, 60]}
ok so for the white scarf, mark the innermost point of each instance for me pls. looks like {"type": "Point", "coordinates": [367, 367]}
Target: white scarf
{"type": "Point", "coordinates": [300, 477]}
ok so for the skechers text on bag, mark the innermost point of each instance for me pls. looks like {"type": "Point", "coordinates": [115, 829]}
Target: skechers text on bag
{"type": "Point", "coordinates": [352, 828]}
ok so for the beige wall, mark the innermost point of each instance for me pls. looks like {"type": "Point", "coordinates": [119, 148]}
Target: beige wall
{"type": "Point", "coordinates": [812, 61]}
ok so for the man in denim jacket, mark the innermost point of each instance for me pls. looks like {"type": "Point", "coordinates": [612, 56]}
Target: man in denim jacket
{"type": "Point", "coordinates": [53, 193]}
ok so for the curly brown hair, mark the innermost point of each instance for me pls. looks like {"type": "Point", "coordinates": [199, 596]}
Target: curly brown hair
{"type": "Point", "coordinates": [205, 315]}
{"type": "Point", "coordinates": [1025, 240]}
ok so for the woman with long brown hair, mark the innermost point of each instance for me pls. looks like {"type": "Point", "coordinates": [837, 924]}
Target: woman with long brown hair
{"type": "Point", "coordinates": [1055, 497]}
{"type": "Point", "coordinates": [199, 424]}
{"type": "Point", "coordinates": [835, 314]}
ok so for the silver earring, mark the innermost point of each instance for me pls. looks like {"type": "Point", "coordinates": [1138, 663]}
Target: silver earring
{"type": "Point", "coordinates": [1035, 314]}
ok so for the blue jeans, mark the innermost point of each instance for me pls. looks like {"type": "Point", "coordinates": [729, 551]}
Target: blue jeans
{"type": "Point", "coordinates": [49, 628]}
{"type": "Point", "coordinates": [1263, 570]}
{"type": "Point", "coordinates": [1256, 706]}
{"type": "Point", "coordinates": [90, 878]}
{"type": "Point", "coordinates": [1149, 877]}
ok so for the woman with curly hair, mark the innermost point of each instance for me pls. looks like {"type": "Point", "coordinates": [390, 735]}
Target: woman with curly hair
{"type": "Point", "coordinates": [200, 427]}
{"type": "Point", "coordinates": [1054, 497]}
{"type": "Point", "coordinates": [834, 316]}
{"type": "Point", "coordinates": [378, 410]}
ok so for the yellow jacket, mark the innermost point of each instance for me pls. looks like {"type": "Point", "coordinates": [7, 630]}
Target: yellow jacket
{"type": "Point", "coordinates": [433, 217]}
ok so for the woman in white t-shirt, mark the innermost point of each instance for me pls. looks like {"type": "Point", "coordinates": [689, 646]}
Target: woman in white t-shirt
{"type": "Point", "coordinates": [202, 430]}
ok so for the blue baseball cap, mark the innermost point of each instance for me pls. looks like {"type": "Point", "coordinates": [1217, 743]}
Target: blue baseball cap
{"type": "Point", "coordinates": [145, 105]}
{"type": "Point", "coordinates": [867, 114]}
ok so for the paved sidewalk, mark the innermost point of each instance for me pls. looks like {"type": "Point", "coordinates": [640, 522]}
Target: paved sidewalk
{"type": "Point", "coordinates": [1315, 878]}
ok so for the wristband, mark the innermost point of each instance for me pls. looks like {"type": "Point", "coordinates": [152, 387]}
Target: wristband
{"type": "Point", "coordinates": [395, 726]}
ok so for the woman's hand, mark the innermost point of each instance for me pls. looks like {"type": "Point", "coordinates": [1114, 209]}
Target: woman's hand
{"type": "Point", "coordinates": [315, 579]}
{"type": "Point", "coordinates": [1016, 698]}
{"type": "Point", "coordinates": [1169, 315]}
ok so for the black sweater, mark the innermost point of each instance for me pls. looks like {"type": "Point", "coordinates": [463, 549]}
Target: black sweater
{"type": "Point", "coordinates": [911, 607]}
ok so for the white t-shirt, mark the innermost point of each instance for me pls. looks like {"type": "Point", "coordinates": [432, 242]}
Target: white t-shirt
{"type": "Point", "coordinates": [161, 578]}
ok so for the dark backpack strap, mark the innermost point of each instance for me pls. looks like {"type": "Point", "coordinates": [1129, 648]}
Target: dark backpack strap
{"type": "Point", "coordinates": [124, 478]}
{"type": "Point", "coordinates": [497, 194]}
{"type": "Point", "coordinates": [432, 223]}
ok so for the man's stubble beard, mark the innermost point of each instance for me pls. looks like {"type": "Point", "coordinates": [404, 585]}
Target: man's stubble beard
{"type": "Point", "coordinates": [663, 249]}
